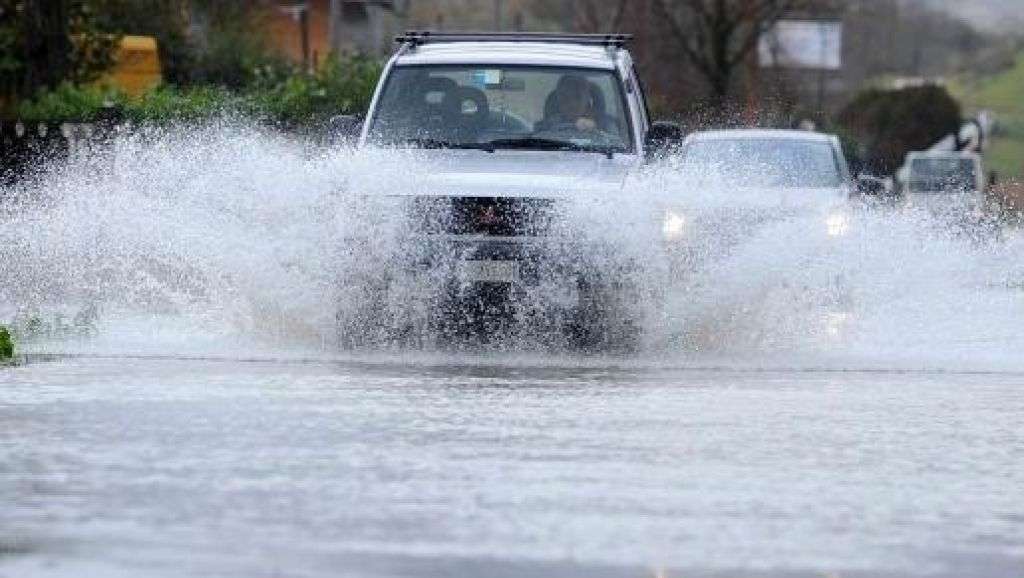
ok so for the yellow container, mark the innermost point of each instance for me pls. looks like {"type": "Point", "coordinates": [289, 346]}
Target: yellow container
{"type": "Point", "coordinates": [136, 66]}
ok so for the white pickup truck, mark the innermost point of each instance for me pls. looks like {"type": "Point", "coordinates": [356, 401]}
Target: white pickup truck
{"type": "Point", "coordinates": [510, 124]}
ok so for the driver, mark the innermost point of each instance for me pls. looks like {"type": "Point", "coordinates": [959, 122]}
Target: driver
{"type": "Point", "coordinates": [573, 105]}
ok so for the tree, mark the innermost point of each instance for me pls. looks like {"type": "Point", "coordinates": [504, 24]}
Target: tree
{"type": "Point", "coordinates": [47, 42]}
{"type": "Point", "coordinates": [887, 124]}
{"type": "Point", "coordinates": [599, 15]}
{"type": "Point", "coordinates": [718, 36]}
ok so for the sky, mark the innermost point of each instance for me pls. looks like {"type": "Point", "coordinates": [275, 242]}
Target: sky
{"type": "Point", "coordinates": [995, 15]}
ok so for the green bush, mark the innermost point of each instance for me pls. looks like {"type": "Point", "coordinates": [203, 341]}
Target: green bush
{"type": "Point", "coordinates": [338, 86]}
{"type": "Point", "coordinates": [887, 124]}
{"type": "Point", "coordinates": [6, 344]}
{"type": "Point", "coordinates": [66, 103]}
{"type": "Point", "coordinates": [167, 104]}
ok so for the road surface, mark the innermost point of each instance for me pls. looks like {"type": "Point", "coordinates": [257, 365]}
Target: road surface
{"type": "Point", "coordinates": [474, 466]}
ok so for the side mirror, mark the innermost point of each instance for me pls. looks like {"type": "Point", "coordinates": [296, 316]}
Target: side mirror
{"type": "Point", "coordinates": [661, 137]}
{"type": "Point", "coordinates": [875, 188]}
{"type": "Point", "coordinates": [345, 127]}
{"type": "Point", "coordinates": [868, 186]}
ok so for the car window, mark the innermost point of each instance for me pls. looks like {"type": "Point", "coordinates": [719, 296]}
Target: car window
{"type": "Point", "coordinates": [767, 162]}
{"type": "Point", "coordinates": [463, 105]}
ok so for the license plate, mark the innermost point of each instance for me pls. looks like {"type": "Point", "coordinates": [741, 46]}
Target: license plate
{"type": "Point", "coordinates": [489, 271]}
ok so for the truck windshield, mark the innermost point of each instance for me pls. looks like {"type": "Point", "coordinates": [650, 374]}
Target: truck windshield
{"type": "Point", "coordinates": [942, 174]}
{"type": "Point", "coordinates": [490, 107]}
{"type": "Point", "coordinates": [767, 162]}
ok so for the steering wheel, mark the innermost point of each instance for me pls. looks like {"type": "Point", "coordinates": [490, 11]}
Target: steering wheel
{"type": "Point", "coordinates": [569, 129]}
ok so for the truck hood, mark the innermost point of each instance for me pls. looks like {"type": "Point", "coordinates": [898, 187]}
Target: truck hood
{"type": "Point", "coordinates": [472, 173]}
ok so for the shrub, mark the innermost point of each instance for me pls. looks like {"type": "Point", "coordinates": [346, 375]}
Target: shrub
{"type": "Point", "coordinates": [338, 86]}
{"type": "Point", "coordinates": [6, 344]}
{"type": "Point", "coordinates": [168, 104]}
{"type": "Point", "coordinates": [887, 124]}
{"type": "Point", "coordinates": [65, 103]}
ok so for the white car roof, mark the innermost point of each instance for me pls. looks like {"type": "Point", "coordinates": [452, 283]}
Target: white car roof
{"type": "Point", "coordinates": [944, 155]}
{"type": "Point", "coordinates": [510, 53]}
{"type": "Point", "coordinates": [746, 133]}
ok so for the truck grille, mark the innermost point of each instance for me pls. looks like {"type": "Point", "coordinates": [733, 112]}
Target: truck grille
{"type": "Point", "coordinates": [491, 216]}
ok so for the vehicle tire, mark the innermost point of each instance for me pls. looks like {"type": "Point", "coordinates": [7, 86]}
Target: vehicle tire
{"type": "Point", "coordinates": [358, 307]}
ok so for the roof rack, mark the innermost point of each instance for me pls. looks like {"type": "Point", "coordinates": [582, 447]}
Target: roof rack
{"type": "Point", "coordinates": [419, 37]}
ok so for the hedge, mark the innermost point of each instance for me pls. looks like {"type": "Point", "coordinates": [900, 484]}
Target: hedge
{"type": "Point", "coordinates": [6, 344]}
{"type": "Point", "coordinates": [338, 86]}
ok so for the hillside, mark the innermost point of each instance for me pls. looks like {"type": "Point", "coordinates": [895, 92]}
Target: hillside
{"type": "Point", "coordinates": [990, 15]}
{"type": "Point", "coordinates": [1003, 94]}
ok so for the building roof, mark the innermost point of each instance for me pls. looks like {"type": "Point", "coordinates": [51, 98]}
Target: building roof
{"type": "Point", "coordinates": [526, 53]}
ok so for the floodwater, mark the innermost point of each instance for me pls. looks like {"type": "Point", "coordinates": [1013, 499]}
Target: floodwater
{"type": "Point", "coordinates": [185, 409]}
{"type": "Point", "coordinates": [162, 467]}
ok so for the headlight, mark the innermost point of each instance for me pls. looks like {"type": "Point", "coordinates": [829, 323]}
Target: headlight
{"type": "Point", "coordinates": [674, 226]}
{"type": "Point", "coordinates": [838, 224]}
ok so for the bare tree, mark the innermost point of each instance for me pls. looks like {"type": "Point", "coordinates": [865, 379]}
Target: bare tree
{"type": "Point", "coordinates": [599, 15]}
{"type": "Point", "coordinates": [718, 36]}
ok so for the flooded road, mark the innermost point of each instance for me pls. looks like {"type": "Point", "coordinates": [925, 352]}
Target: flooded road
{"type": "Point", "coordinates": [470, 466]}
{"type": "Point", "coordinates": [807, 404]}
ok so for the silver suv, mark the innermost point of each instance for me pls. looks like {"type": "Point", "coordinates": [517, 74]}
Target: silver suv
{"type": "Point", "coordinates": [512, 125]}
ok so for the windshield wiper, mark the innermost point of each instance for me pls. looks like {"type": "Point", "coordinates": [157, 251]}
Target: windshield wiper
{"type": "Point", "coordinates": [433, 143]}
{"type": "Point", "coordinates": [549, 144]}
{"type": "Point", "coordinates": [536, 143]}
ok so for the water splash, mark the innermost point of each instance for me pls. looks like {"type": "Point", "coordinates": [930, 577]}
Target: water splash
{"type": "Point", "coordinates": [227, 237]}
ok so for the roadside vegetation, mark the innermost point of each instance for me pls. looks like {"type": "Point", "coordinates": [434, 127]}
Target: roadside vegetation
{"type": "Point", "coordinates": [232, 68]}
{"type": "Point", "coordinates": [338, 86]}
{"type": "Point", "coordinates": [888, 124]}
{"type": "Point", "coordinates": [1002, 93]}
{"type": "Point", "coordinates": [6, 345]}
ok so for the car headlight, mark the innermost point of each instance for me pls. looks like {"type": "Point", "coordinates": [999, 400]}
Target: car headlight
{"type": "Point", "coordinates": [837, 224]}
{"type": "Point", "coordinates": [674, 226]}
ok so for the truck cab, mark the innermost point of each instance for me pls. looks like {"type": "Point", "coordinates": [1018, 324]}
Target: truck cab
{"type": "Point", "coordinates": [949, 185]}
{"type": "Point", "coordinates": [927, 176]}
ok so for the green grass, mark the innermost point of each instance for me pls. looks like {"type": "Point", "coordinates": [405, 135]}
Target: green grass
{"type": "Point", "coordinates": [1004, 95]}
{"type": "Point", "coordinates": [6, 345]}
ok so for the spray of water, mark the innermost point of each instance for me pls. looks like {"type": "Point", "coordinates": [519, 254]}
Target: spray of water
{"type": "Point", "coordinates": [231, 238]}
